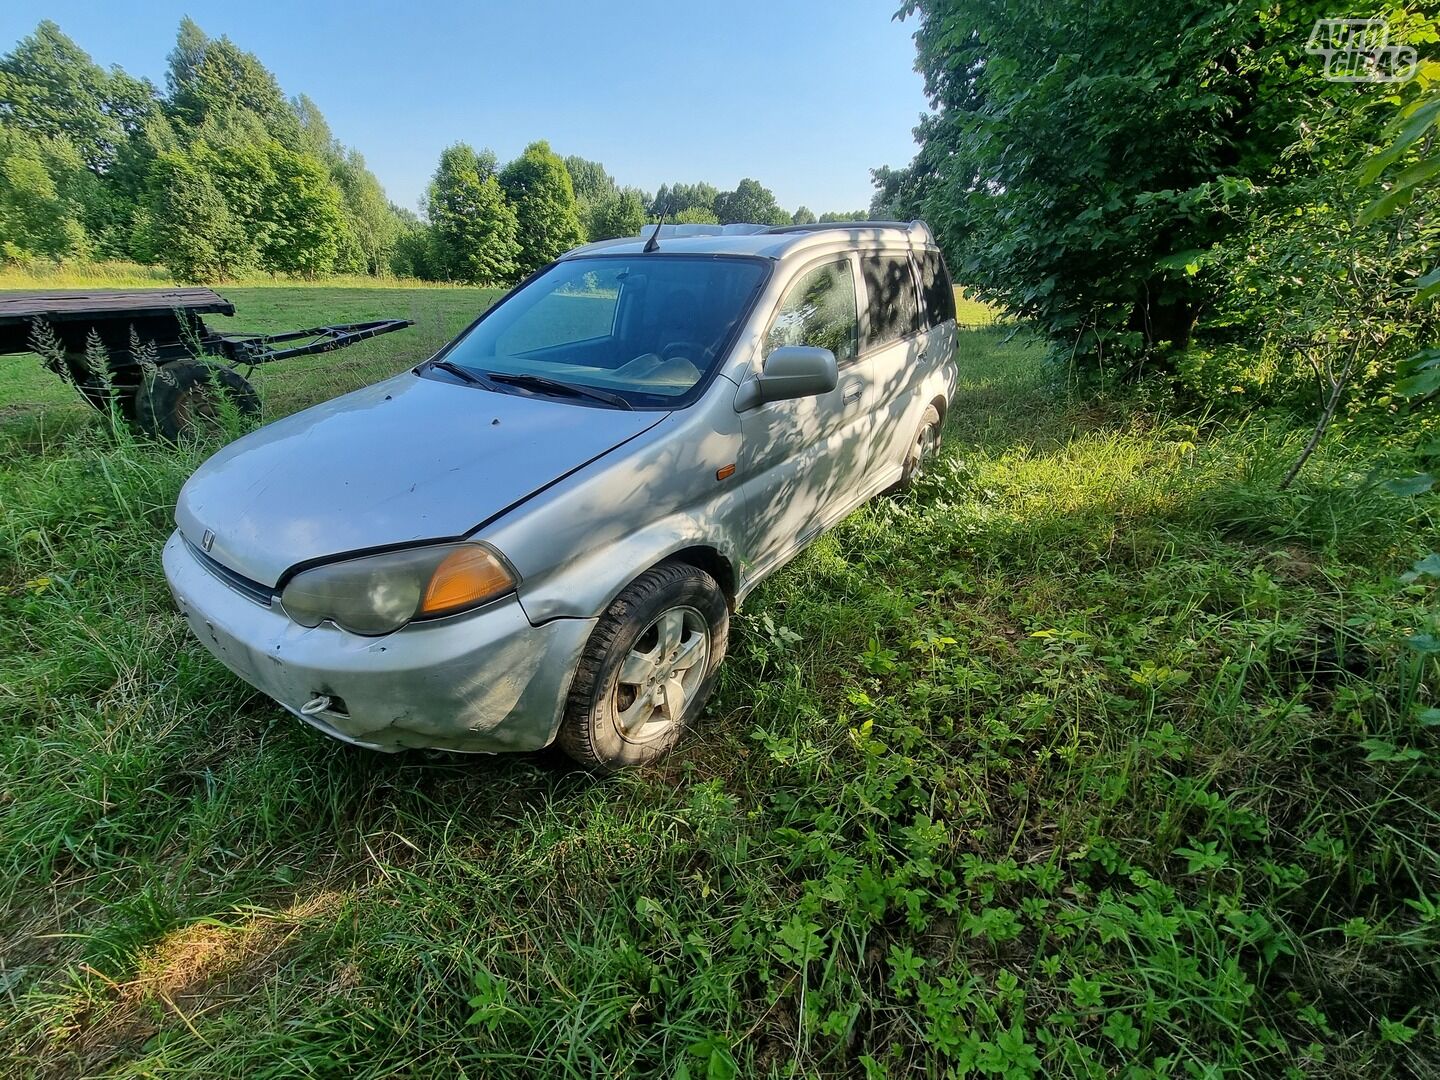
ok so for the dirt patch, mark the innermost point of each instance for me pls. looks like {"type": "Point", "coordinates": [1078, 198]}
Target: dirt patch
{"type": "Point", "coordinates": [189, 972]}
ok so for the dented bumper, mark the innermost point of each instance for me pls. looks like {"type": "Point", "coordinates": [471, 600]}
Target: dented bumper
{"type": "Point", "coordinates": [484, 681]}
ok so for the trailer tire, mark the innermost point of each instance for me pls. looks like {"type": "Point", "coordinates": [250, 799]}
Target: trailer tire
{"type": "Point", "coordinates": [180, 398]}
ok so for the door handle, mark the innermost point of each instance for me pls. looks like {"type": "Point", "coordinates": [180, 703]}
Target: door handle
{"type": "Point", "coordinates": [852, 396]}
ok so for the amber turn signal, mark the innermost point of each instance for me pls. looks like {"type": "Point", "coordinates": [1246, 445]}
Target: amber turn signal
{"type": "Point", "coordinates": [725, 472]}
{"type": "Point", "coordinates": [467, 576]}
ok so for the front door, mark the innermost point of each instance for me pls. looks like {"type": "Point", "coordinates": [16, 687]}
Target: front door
{"type": "Point", "coordinates": [802, 461]}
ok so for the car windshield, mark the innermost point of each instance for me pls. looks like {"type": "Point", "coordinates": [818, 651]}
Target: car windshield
{"type": "Point", "coordinates": [648, 328]}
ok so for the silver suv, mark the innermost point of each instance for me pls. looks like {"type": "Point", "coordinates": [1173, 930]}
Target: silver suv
{"type": "Point", "coordinates": [539, 533]}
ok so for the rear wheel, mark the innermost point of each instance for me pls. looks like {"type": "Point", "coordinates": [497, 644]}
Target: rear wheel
{"type": "Point", "coordinates": [647, 670]}
{"type": "Point", "coordinates": [923, 449]}
{"type": "Point", "coordinates": [183, 398]}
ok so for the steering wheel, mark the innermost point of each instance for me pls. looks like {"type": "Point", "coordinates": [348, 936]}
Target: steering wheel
{"type": "Point", "coordinates": [689, 350]}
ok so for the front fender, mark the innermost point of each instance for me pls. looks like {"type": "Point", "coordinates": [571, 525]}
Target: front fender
{"type": "Point", "coordinates": [579, 543]}
{"type": "Point", "coordinates": [585, 586]}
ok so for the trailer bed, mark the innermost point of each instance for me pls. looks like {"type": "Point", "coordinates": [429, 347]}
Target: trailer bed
{"type": "Point", "coordinates": [155, 351]}
{"type": "Point", "coordinates": [57, 305]}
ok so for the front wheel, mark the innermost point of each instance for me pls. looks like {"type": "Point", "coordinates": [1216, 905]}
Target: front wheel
{"type": "Point", "coordinates": [647, 670]}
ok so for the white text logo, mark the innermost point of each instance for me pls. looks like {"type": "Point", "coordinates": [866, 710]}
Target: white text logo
{"type": "Point", "coordinates": [1359, 50]}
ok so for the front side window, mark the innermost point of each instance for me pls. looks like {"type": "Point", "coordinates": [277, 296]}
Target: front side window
{"type": "Point", "coordinates": [819, 310]}
{"type": "Point", "coordinates": [890, 289]}
{"type": "Point", "coordinates": [649, 328]}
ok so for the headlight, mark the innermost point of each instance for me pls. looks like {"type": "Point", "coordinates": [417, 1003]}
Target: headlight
{"type": "Point", "coordinates": [376, 594]}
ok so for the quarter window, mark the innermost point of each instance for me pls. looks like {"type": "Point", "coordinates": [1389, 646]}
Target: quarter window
{"type": "Point", "coordinates": [894, 311]}
{"type": "Point", "coordinates": [935, 287]}
{"type": "Point", "coordinates": [819, 310]}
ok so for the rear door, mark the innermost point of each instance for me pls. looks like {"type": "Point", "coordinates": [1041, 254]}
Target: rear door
{"type": "Point", "coordinates": [802, 461]}
{"type": "Point", "coordinates": [937, 300]}
{"type": "Point", "coordinates": [894, 344]}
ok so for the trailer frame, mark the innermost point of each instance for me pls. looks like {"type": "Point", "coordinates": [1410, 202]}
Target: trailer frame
{"type": "Point", "coordinates": [168, 326]}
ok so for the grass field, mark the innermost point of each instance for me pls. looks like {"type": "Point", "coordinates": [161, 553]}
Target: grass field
{"type": "Point", "coordinates": [1095, 755]}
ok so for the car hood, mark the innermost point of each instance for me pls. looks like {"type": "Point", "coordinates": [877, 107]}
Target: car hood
{"type": "Point", "coordinates": [407, 459]}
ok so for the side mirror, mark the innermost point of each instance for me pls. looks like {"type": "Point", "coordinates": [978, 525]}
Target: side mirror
{"type": "Point", "coordinates": [792, 371]}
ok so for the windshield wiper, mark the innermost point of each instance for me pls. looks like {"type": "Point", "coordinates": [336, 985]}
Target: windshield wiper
{"type": "Point", "coordinates": [544, 382]}
{"type": "Point", "coordinates": [465, 375]}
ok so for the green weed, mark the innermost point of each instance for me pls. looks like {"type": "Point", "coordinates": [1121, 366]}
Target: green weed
{"type": "Point", "coordinates": [1093, 757]}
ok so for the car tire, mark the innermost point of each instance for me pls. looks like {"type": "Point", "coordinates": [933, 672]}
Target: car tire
{"type": "Point", "coordinates": [924, 445]}
{"type": "Point", "coordinates": [179, 398]}
{"type": "Point", "coordinates": [614, 717]}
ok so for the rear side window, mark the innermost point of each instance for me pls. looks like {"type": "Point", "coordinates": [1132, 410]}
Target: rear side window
{"type": "Point", "coordinates": [935, 289]}
{"type": "Point", "coordinates": [819, 310]}
{"type": "Point", "coordinates": [894, 312]}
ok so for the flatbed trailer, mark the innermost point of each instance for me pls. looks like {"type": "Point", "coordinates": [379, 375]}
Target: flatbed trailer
{"type": "Point", "coordinates": [182, 365]}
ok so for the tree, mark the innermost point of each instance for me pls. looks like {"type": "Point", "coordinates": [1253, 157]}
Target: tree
{"type": "Point", "coordinates": [472, 227]}
{"type": "Point", "coordinates": [803, 216]}
{"type": "Point", "coordinates": [675, 199]}
{"type": "Point", "coordinates": [410, 255]}
{"type": "Point", "coordinates": [620, 214]}
{"type": "Point", "coordinates": [41, 201]}
{"type": "Point", "coordinates": [599, 203]}
{"type": "Point", "coordinates": [693, 215]}
{"type": "Point", "coordinates": [199, 237]}
{"type": "Point", "coordinates": [49, 86]}
{"type": "Point", "coordinates": [208, 78]}
{"type": "Point", "coordinates": [1080, 150]}
{"type": "Point", "coordinates": [845, 215]}
{"type": "Point", "coordinates": [373, 223]}
{"type": "Point", "coordinates": [589, 179]}
{"type": "Point", "coordinates": [304, 228]}
{"type": "Point", "coordinates": [749, 202]}
{"type": "Point", "coordinates": [538, 186]}
{"type": "Point", "coordinates": [315, 135]}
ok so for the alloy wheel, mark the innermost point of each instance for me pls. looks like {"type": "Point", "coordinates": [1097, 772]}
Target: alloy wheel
{"type": "Point", "coordinates": [661, 673]}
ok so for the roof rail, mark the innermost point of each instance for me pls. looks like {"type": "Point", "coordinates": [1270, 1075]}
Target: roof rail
{"type": "Point", "coordinates": [702, 229]}
{"type": "Point", "coordinates": [823, 226]}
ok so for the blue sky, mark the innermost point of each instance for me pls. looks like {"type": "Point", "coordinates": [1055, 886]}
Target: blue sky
{"type": "Point", "coordinates": [805, 97]}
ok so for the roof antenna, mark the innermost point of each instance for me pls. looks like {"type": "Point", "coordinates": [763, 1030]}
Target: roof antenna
{"type": "Point", "coordinates": [653, 244]}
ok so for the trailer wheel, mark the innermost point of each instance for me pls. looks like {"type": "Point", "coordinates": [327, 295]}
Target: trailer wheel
{"type": "Point", "coordinates": [183, 398]}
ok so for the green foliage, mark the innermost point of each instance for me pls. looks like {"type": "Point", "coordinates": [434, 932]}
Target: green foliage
{"type": "Point", "coordinates": [473, 229]}
{"type": "Point", "coordinates": [1093, 757]}
{"type": "Point", "coordinates": [411, 254]}
{"type": "Point", "coordinates": [605, 209]}
{"type": "Point", "coordinates": [210, 78]}
{"type": "Point", "coordinates": [304, 227]}
{"type": "Point", "coordinates": [537, 186]}
{"type": "Point", "coordinates": [672, 200]}
{"type": "Point", "coordinates": [199, 237]}
{"type": "Point", "coordinates": [749, 202]}
{"type": "Point", "coordinates": [50, 87]}
{"type": "Point", "coordinates": [692, 215]}
{"type": "Point", "coordinates": [265, 183]}
{"type": "Point", "coordinates": [43, 194]}
{"type": "Point", "coordinates": [619, 214]}
{"type": "Point", "coordinates": [372, 223]}
{"type": "Point", "coordinates": [261, 182]}
{"type": "Point", "coordinates": [1073, 173]}
{"type": "Point", "coordinates": [845, 215]}
{"type": "Point", "coordinates": [803, 216]}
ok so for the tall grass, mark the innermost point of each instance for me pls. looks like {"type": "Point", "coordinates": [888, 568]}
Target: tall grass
{"type": "Point", "coordinates": [1093, 757]}
{"type": "Point", "coordinates": [41, 274]}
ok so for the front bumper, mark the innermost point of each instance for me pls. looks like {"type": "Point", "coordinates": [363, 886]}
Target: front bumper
{"type": "Point", "coordinates": [485, 681]}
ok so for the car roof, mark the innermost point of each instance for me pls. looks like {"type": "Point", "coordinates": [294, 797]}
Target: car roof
{"type": "Point", "coordinates": [771, 242]}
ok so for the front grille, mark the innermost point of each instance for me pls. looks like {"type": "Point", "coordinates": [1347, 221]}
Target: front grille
{"type": "Point", "coordinates": [253, 590]}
